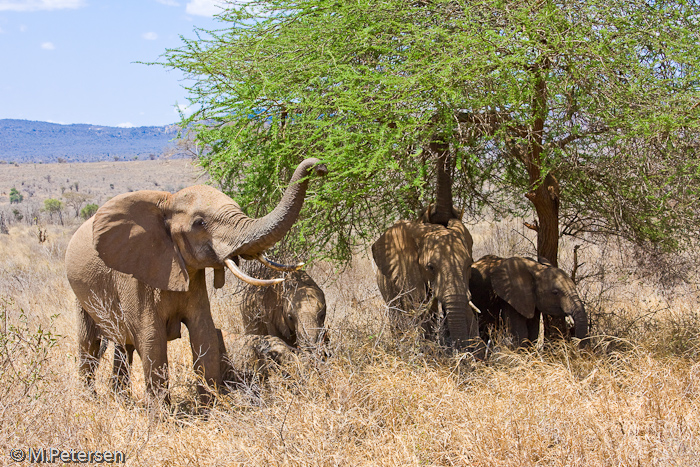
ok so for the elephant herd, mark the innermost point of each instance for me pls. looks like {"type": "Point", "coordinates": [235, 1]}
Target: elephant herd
{"type": "Point", "coordinates": [137, 268]}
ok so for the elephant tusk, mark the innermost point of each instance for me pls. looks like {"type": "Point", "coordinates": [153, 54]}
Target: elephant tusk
{"type": "Point", "coordinates": [246, 278]}
{"type": "Point", "coordinates": [473, 307]}
{"type": "Point", "coordinates": [277, 266]}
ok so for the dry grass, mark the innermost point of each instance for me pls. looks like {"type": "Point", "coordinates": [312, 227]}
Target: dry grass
{"type": "Point", "coordinates": [634, 399]}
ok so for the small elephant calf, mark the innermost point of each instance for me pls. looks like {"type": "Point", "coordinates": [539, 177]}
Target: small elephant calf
{"type": "Point", "coordinates": [294, 310]}
{"type": "Point", "coordinates": [248, 359]}
{"type": "Point", "coordinates": [515, 291]}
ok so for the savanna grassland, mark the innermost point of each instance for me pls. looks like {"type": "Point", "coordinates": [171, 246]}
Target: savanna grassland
{"type": "Point", "coordinates": [631, 399]}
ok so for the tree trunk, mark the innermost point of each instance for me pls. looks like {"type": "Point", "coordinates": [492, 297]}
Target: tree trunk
{"type": "Point", "coordinates": [545, 199]}
{"type": "Point", "coordinates": [544, 195]}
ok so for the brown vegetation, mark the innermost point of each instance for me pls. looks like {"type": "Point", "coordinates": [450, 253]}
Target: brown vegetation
{"type": "Point", "coordinates": [632, 399]}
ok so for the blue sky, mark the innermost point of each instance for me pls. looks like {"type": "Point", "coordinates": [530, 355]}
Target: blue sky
{"type": "Point", "coordinates": [72, 61]}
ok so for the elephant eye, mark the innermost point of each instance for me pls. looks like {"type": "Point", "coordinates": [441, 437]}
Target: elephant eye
{"type": "Point", "coordinates": [556, 291]}
{"type": "Point", "coordinates": [199, 223]}
{"type": "Point", "coordinates": [430, 267]}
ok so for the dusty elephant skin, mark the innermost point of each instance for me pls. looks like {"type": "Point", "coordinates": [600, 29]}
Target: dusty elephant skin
{"type": "Point", "coordinates": [515, 291]}
{"type": "Point", "coordinates": [138, 270]}
{"type": "Point", "coordinates": [248, 359]}
{"type": "Point", "coordinates": [421, 264]}
{"type": "Point", "coordinates": [294, 310]}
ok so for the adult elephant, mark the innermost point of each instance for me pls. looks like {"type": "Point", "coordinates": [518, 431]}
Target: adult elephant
{"type": "Point", "coordinates": [515, 291]}
{"type": "Point", "coordinates": [138, 266]}
{"type": "Point", "coordinates": [420, 265]}
{"type": "Point", "coordinates": [294, 310]}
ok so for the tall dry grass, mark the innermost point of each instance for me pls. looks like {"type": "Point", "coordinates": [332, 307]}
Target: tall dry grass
{"type": "Point", "coordinates": [632, 399]}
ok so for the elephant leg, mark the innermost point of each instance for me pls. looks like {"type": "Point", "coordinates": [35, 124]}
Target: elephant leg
{"type": "Point", "coordinates": [204, 339]}
{"type": "Point", "coordinates": [555, 327]}
{"type": "Point", "coordinates": [89, 347]}
{"type": "Point", "coordinates": [121, 371]}
{"type": "Point", "coordinates": [533, 327]}
{"type": "Point", "coordinates": [225, 367]}
{"type": "Point", "coordinates": [517, 325]}
{"type": "Point", "coordinates": [432, 321]}
{"type": "Point", "coordinates": [152, 347]}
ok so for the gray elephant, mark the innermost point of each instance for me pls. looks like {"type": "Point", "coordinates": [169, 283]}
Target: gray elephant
{"type": "Point", "coordinates": [249, 359]}
{"type": "Point", "coordinates": [294, 310]}
{"type": "Point", "coordinates": [137, 268]}
{"type": "Point", "coordinates": [515, 291]}
{"type": "Point", "coordinates": [421, 265]}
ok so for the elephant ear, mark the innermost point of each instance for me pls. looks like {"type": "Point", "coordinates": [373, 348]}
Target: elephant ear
{"type": "Point", "coordinates": [513, 281]}
{"type": "Point", "coordinates": [396, 256]}
{"type": "Point", "coordinates": [130, 236]}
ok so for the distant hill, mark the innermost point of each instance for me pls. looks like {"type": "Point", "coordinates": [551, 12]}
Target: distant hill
{"type": "Point", "coordinates": [29, 141]}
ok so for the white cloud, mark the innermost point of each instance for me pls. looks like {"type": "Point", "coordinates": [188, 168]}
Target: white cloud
{"type": "Point", "coordinates": [38, 5]}
{"type": "Point", "coordinates": [204, 7]}
{"type": "Point", "coordinates": [126, 125]}
{"type": "Point", "coordinates": [149, 36]}
{"type": "Point", "coordinates": [168, 2]}
{"type": "Point", "coordinates": [48, 46]}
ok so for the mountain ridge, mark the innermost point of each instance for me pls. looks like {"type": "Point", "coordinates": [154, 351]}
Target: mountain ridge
{"type": "Point", "coordinates": [24, 141]}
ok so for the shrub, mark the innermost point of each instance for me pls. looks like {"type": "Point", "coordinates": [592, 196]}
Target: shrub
{"type": "Point", "coordinates": [24, 356]}
{"type": "Point", "coordinates": [54, 206]}
{"type": "Point", "coordinates": [15, 196]}
{"type": "Point", "coordinates": [88, 211]}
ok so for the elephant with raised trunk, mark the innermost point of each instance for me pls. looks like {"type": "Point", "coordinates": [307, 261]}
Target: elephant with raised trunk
{"type": "Point", "coordinates": [420, 266]}
{"type": "Point", "coordinates": [138, 266]}
{"type": "Point", "coordinates": [513, 292]}
{"type": "Point", "coordinates": [294, 310]}
{"type": "Point", "coordinates": [425, 264]}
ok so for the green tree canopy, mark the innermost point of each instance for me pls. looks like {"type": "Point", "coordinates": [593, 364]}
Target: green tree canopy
{"type": "Point", "coordinates": [544, 99]}
{"type": "Point", "coordinates": [88, 211]}
{"type": "Point", "coordinates": [54, 206]}
{"type": "Point", "coordinates": [15, 196]}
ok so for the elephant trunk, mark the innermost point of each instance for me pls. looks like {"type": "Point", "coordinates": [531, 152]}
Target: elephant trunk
{"type": "Point", "coordinates": [308, 333]}
{"type": "Point", "coordinates": [580, 319]}
{"type": "Point", "coordinates": [444, 210]}
{"type": "Point", "coordinates": [461, 322]}
{"type": "Point", "coordinates": [264, 232]}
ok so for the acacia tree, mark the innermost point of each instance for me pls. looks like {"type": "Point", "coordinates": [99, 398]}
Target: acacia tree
{"type": "Point", "coordinates": [54, 206]}
{"type": "Point", "coordinates": [535, 98]}
{"type": "Point", "coordinates": [76, 200]}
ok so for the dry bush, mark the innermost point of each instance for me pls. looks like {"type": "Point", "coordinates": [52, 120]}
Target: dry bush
{"type": "Point", "coordinates": [630, 399]}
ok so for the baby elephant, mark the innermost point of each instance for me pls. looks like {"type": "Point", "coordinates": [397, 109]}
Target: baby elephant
{"type": "Point", "coordinates": [294, 310]}
{"type": "Point", "coordinates": [515, 291]}
{"type": "Point", "coordinates": [248, 359]}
